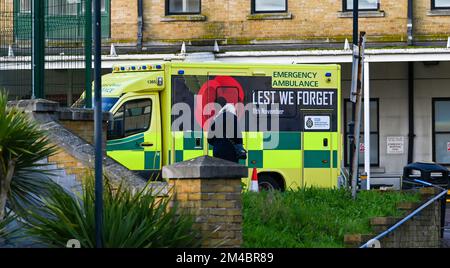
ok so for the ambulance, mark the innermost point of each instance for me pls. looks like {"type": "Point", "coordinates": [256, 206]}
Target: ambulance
{"type": "Point", "coordinates": [291, 113]}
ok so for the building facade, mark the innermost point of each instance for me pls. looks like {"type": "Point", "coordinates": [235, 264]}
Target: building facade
{"type": "Point", "coordinates": [276, 21]}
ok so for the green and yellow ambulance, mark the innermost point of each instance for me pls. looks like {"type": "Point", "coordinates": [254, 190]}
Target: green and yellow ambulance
{"type": "Point", "coordinates": [303, 149]}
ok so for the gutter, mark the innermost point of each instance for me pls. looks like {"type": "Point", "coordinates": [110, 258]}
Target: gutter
{"type": "Point", "coordinates": [410, 23]}
{"type": "Point", "coordinates": [140, 24]}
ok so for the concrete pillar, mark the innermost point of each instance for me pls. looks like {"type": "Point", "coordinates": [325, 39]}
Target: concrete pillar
{"type": "Point", "coordinates": [210, 189]}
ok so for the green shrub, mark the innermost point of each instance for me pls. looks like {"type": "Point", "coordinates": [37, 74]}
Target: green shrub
{"type": "Point", "coordinates": [313, 217]}
{"type": "Point", "coordinates": [22, 145]}
{"type": "Point", "coordinates": [130, 220]}
{"type": "Point", "coordinates": [4, 232]}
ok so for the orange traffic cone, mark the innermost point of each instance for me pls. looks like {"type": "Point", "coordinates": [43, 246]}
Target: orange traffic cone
{"type": "Point", "coordinates": [254, 184]}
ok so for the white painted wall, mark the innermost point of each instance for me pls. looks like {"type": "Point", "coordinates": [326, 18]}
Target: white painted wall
{"type": "Point", "coordinates": [389, 83]}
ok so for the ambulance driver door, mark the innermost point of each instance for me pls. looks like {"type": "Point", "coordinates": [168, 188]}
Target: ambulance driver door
{"type": "Point", "coordinates": [317, 150]}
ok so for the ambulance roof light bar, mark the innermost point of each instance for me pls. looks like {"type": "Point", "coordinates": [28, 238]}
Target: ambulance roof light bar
{"type": "Point", "coordinates": [137, 68]}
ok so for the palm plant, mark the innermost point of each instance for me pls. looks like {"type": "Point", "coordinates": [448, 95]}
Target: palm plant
{"type": "Point", "coordinates": [22, 146]}
{"type": "Point", "coordinates": [8, 219]}
{"type": "Point", "coordinates": [131, 220]}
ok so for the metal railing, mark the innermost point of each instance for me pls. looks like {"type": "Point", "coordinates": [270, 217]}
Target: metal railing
{"type": "Point", "coordinates": [67, 26]}
{"type": "Point", "coordinates": [377, 238]}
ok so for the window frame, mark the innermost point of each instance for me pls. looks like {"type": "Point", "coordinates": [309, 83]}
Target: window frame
{"type": "Point", "coordinates": [23, 11]}
{"type": "Point", "coordinates": [346, 160]}
{"type": "Point", "coordinates": [168, 13]}
{"type": "Point", "coordinates": [433, 128]}
{"type": "Point", "coordinates": [123, 106]}
{"type": "Point", "coordinates": [254, 11]}
{"type": "Point", "coordinates": [345, 9]}
{"type": "Point", "coordinates": [434, 7]}
{"type": "Point", "coordinates": [61, 9]}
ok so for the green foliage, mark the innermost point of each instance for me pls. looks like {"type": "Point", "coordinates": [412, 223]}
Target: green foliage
{"type": "Point", "coordinates": [23, 144]}
{"type": "Point", "coordinates": [313, 217]}
{"type": "Point", "coordinates": [4, 232]}
{"type": "Point", "coordinates": [137, 220]}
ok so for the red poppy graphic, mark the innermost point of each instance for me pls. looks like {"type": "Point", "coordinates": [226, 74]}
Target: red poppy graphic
{"type": "Point", "coordinates": [221, 86]}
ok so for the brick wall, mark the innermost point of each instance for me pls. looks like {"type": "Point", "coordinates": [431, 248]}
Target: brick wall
{"type": "Point", "coordinates": [421, 231]}
{"type": "Point", "coordinates": [231, 21]}
{"type": "Point", "coordinates": [84, 130]}
{"type": "Point", "coordinates": [7, 22]}
{"type": "Point", "coordinates": [124, 20]}
{"type": "Point", "coordinates": [210, 189]}
{"type": "Point", "coordinates": [428, 24]}
{"type": "Point", "coordinates": [71, 165]}
{"type": "Point", "coordinates": [217, 207]}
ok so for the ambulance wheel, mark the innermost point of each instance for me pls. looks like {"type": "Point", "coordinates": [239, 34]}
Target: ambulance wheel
{"type": "Point", "coordinates": [267, 182]}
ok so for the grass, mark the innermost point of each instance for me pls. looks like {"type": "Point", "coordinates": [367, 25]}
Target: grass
{"type": "Point", "coordinates": [313, 218]}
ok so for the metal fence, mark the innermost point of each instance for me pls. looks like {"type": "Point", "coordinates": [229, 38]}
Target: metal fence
{"type": "Point", "coordinates": [65, 24]}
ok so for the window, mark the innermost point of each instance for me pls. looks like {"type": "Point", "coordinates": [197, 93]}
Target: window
{"type": "Point", "coordinates": [267, 6]}
{"type": "Point", "coordinates": [183, 7]}
{"type": "Point", "coordinates": [374, 133]}
{"type": "Point", "coordinates": [363, 5]}
{"type": "Point", "coordinates": [102, 6]}
{"type": "Point", "coordinates": [132, 117]}
{"type": "Point", "coordinates": [62, 7]}
{"type": "Point", "coordinates": [440, 4]}
{"type": "Point", "coordinates": [25, 6]}
{"type": "Point", "coordinates": [441, 131]}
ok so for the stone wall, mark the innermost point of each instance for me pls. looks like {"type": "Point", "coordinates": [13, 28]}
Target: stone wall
{"type": "Point", "coordinates": [72, 137]}
{"type": "Point", "coordinates": [421, 231]}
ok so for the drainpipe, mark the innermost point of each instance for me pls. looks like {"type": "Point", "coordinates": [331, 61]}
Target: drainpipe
{"type": "Point", "coordinates": [411, 134]}
{"type": "Point", "coordinates": [410, 23]}
{"type": "Point", "coordinates": [140, 25]}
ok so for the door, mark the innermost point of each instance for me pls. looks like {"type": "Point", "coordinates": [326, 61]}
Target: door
{"type": "Point", "coordinates": [317, 150]}
{"type": "Point", "coordinates": [134, 135]}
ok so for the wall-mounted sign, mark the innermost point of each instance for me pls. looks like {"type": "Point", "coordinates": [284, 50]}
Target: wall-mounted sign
{"type": "Point", "coordinates": [395, 145]}
{"type": "Point", "coordinates": [317, 122]}
{"type": "Point", "coordinates": [448, 146]}
{"type": "Point", "coordinates": [362, 148]}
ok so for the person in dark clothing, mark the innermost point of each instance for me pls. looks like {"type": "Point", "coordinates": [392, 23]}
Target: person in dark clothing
{"type": "Point", "coordinates": [225, 132]}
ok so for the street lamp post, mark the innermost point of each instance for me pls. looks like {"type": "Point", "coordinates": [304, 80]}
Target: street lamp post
{"type": "Point", "coordinates": [98, 127]}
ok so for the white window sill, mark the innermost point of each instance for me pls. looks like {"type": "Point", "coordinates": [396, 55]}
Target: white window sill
{"type": "Point", "coordinates": [362, 14]}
